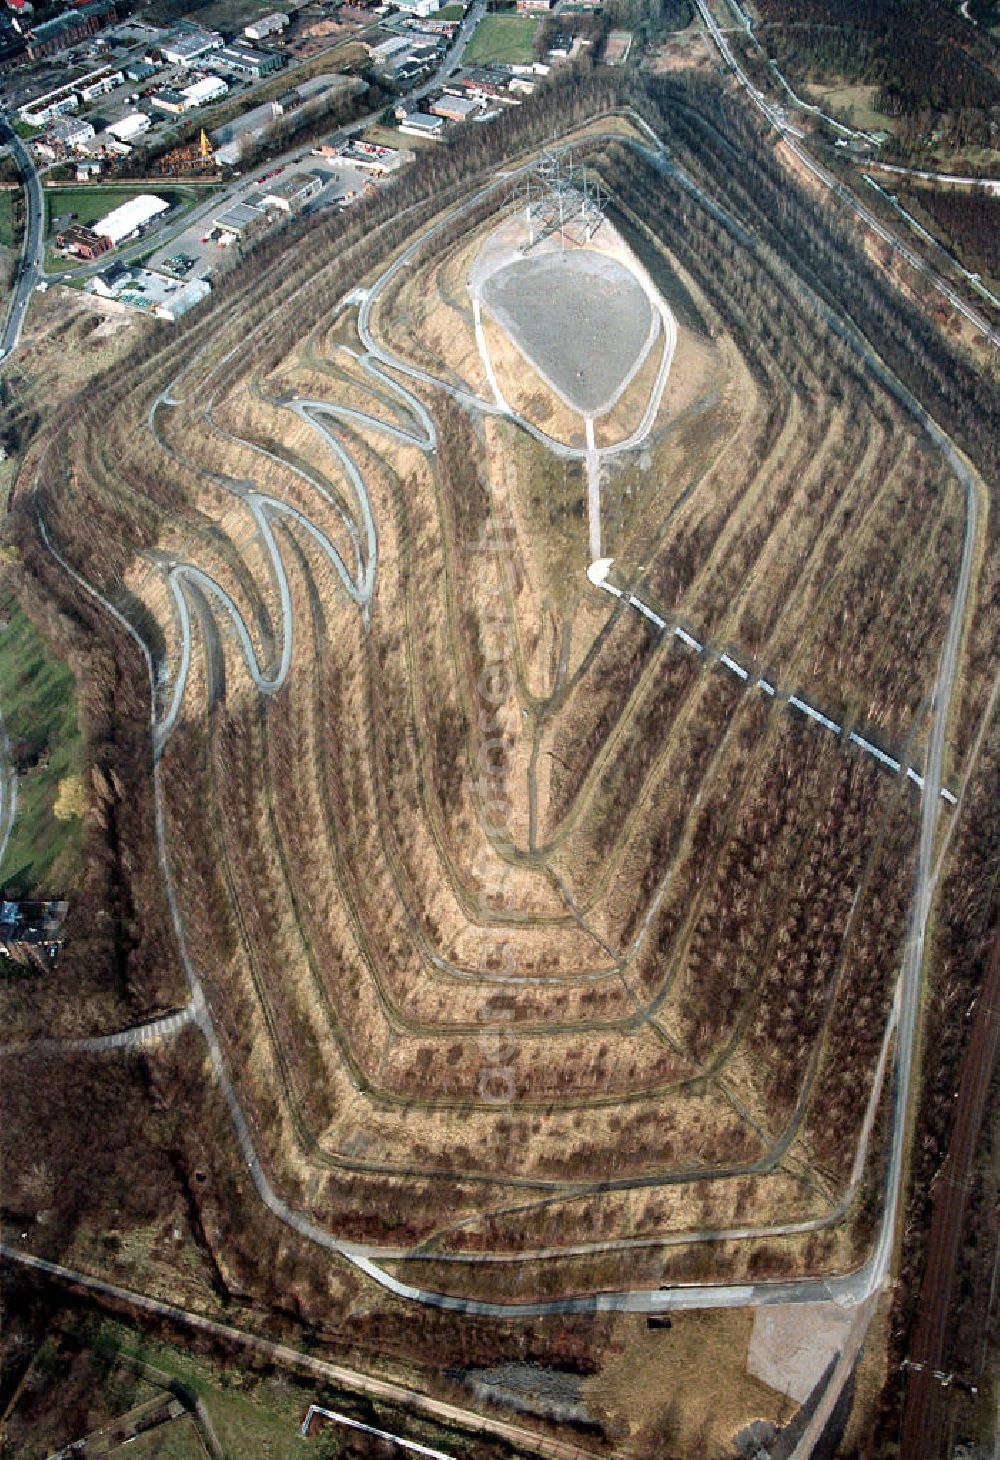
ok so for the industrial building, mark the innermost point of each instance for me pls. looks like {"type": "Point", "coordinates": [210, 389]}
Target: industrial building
{"type": "Point", "coordinates": [50, 37]}
{"type": "Point", "coordinates": [369, 156]}
{"type": "Point", "coordinates": [421, 8]}
{"type": "Point", "coordinates": [82, 241]}
{"type": "Point", "coordinates": [149, 292]}
{"type": "Point", "coordinates": [100, 85]}
{"type": "Point", "coordinates": [286, 102]}
{"type": "Point", "coordinates": [181, 298]}
{"type": "Point", "coordinates": [184, 48]}
{"type": "Point", "coordinates": [427, 51]}
{"type": "Point", "coordinates": [293, 191]}
{"type": "Point", "coordinates": [70, 132]}
{"type": "Point", "coordinates": [110, 282]}
{"type": "Point", "coordinates": [168, 99]}
{"type": "Point", "coordinates": [51, 104]}
{"type": "Point", "coordinates": [455, 108]}
{"type": "Point", "coordinates": [159, 295]}
{"type": "Point", "coordinates": [243, 60]}
{"type": "Point", "coordinates": [230, 153]}
{"type": "Point", "coordinates": [387, 51]}
{"type": "Point", "coordinates": [129, 127]}
{"type": "Point", "coordinates": [127, 219]}
{"type": "Point", "coordinates": [47, 108]}
{"type": "Point", "coordinates": [140, 71]}
{"type": "Point", "coordinates": [201, 92]}
{"type": "Point", "coordinates": [419, 124]}
{"type": "Point", "coordinates": [265, 26]}
{"type": "Point", "coordinates": [240, 219]}
{"type": "Point", "coordinates": [491, 85]}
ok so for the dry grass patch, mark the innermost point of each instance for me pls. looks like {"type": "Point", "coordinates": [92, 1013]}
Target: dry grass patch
{"type": "Point", "coordinates": [526, 392]}
{"type": "Point", "coordinates": [685, 1387]}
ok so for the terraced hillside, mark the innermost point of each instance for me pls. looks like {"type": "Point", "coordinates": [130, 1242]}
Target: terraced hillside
{"type": "Point", "coordinates": [539, 748]}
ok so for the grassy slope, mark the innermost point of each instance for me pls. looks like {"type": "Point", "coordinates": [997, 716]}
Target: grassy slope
{"type": "Point", "coordinates": [261, 1418]}
{"type": "Point", "coordinates": [263, 1424]}
{"type": "Point", "coordinates": [176, 1441]}
{"type": "Point", "coordinates": [36, 696]}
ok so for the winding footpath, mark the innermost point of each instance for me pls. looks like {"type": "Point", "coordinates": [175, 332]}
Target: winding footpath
{"type": "Point", "coordinates": [851, 1289]}
{"type": "Point", "coordinates": [263, 508]}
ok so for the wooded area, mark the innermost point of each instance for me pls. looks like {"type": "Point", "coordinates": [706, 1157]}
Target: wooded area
{"type": "Point", "coordinates": [677, 882]}
{"type": "Point", "coordinates": [920, 53]}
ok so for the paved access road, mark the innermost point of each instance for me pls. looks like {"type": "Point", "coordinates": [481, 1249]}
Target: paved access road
{"type": "Point", "coordinates": [31, 268]}
{"type": "Point", "coordinates": [136, 1036]}
{"type": "Point", "coordinates": [869, 1279]}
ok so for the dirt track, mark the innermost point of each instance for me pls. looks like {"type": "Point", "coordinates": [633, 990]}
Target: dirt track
{"type": "Point", "coordinates": [925, 1409]}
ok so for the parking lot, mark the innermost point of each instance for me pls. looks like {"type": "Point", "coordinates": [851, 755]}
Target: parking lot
{"type": "Point", "coordinates": [342, 185]}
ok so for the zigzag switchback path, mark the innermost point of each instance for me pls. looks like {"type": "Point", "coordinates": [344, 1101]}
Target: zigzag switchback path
{"type": "Point", "coordinates": [853, 1288]}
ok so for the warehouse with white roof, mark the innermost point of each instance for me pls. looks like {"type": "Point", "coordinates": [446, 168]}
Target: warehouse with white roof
{"type": "Point", "coordinates": [208, 89]}
{"type": "Point", "coordinates": [124, 221]}
{"type": "Point", "coordinates": [265, 26]}
{"type": "Point", "coordinates": [131, 126]}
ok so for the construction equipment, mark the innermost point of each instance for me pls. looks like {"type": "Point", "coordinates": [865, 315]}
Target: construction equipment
{"type": "Point", "coordinates": [194, 159]}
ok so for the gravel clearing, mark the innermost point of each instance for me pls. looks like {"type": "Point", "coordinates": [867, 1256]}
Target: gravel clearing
{"type": "Point", "coordinates": [582, 319]}
{"type": "Point", "coordinates": [792, 1344]}
{"type": "Point", "coordinates": [551, 1394]}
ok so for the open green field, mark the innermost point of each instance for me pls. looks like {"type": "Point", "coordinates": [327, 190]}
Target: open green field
{"type": "Point", "coordinates": [391, 137]}
{"type": "Point", "coordinates": [507, 38]}
{"type": "Point", "coordinates": [263, 1422]}
{"type": "Point", "coordinates": [37, 700]}
{"type": "Point", "coordinates": [853, 105]}
{"type": "Point", "coordinates": [257, 1417]}
{"type": "Point", "coordinates": [450, 12]}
